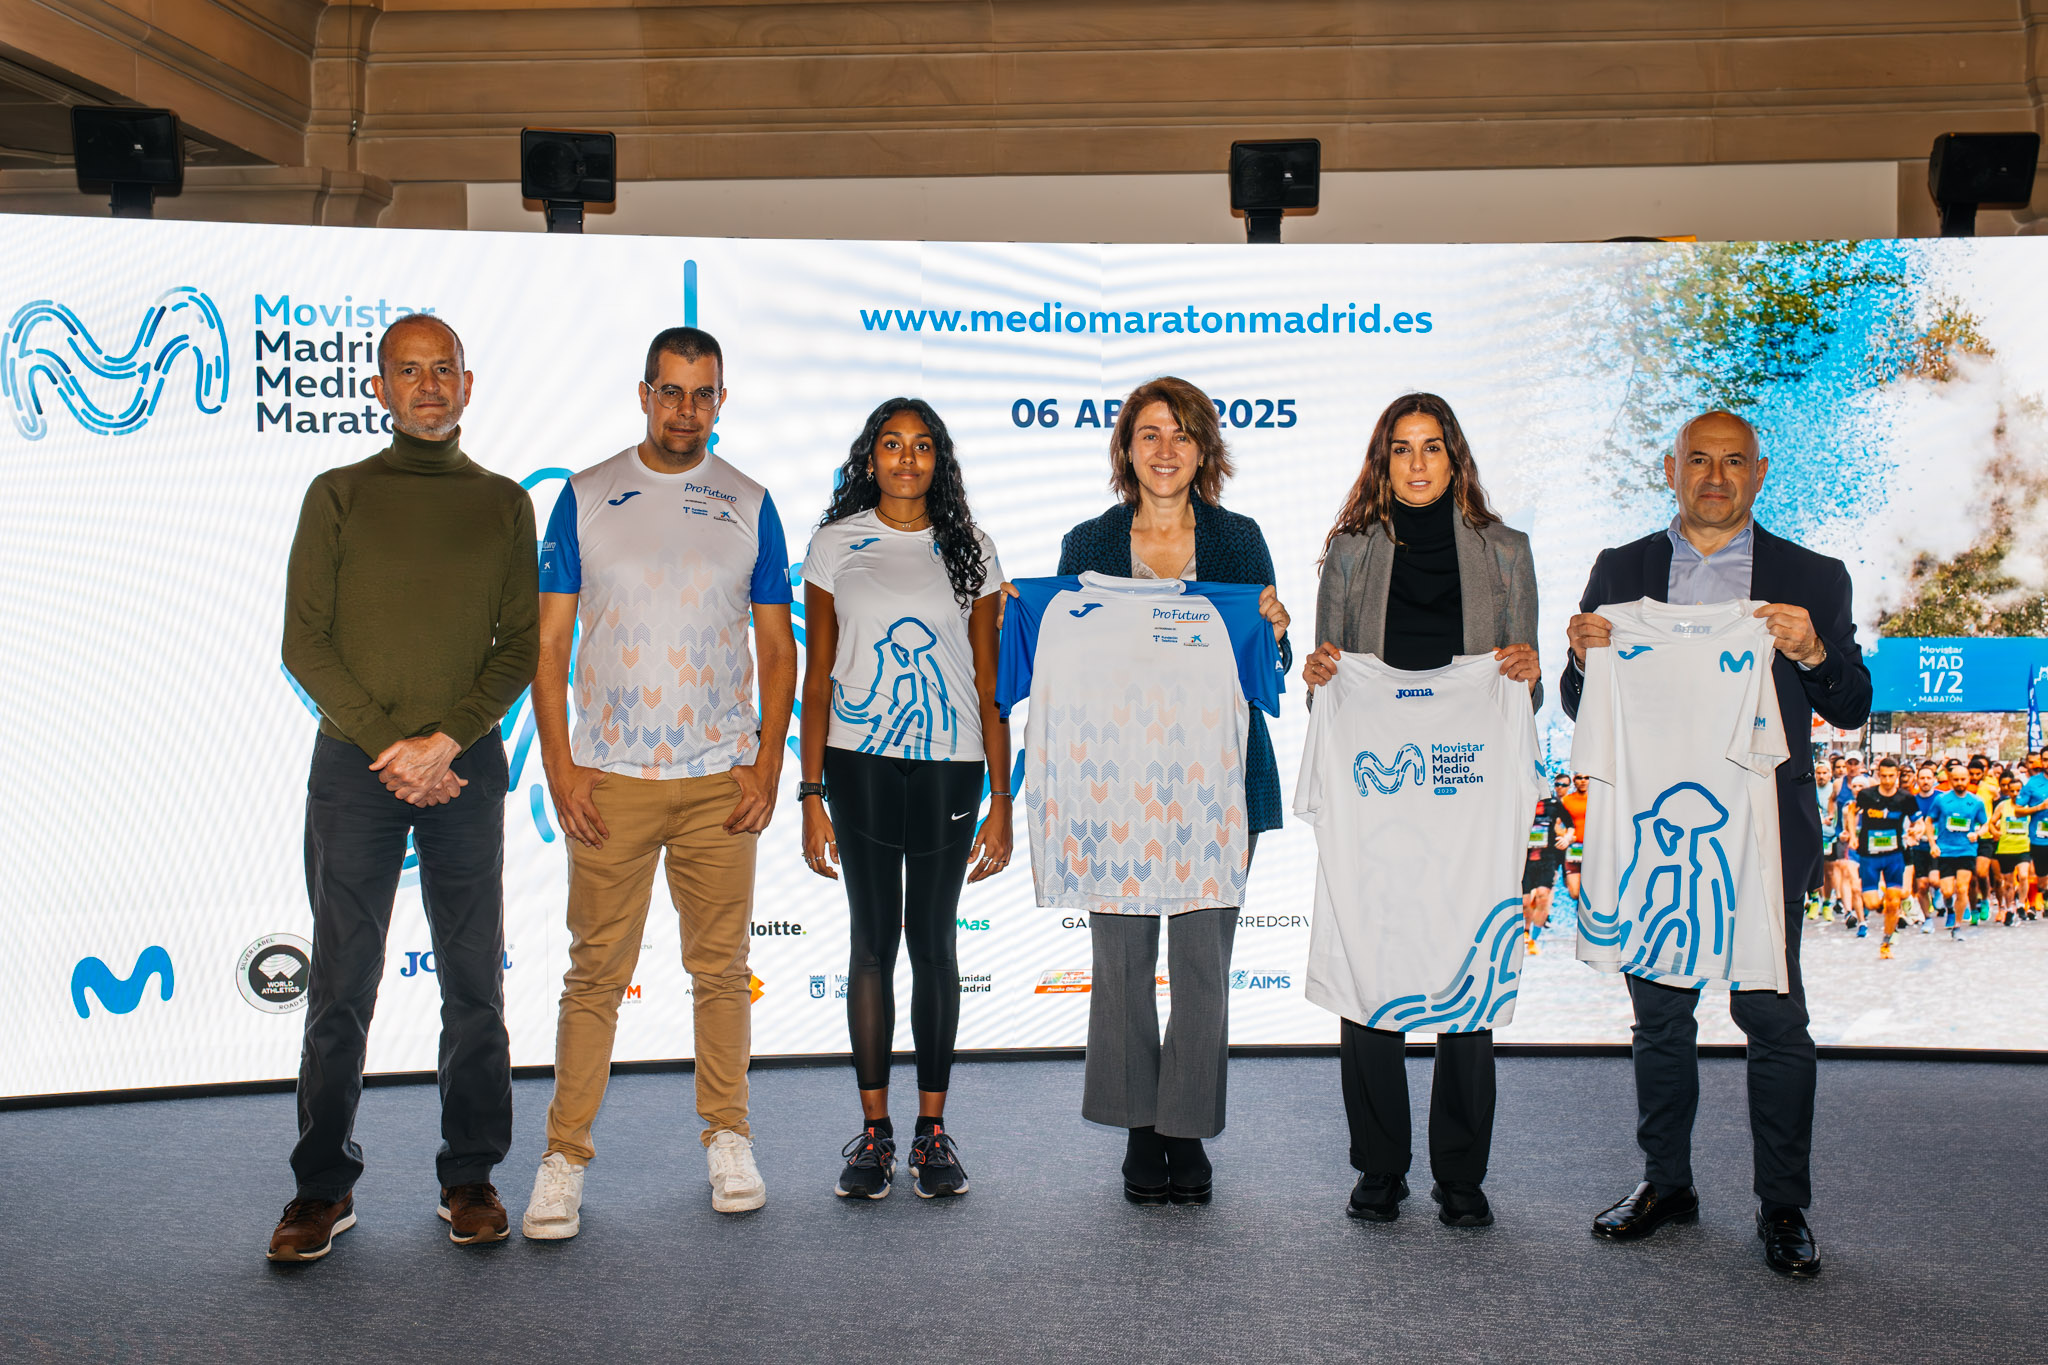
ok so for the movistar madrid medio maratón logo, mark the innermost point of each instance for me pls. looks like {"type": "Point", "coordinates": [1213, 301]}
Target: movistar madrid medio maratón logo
{"type": "Point", "coordinates": [48, 349]}
{"type": "Point", "coordinates": [1374, 775]}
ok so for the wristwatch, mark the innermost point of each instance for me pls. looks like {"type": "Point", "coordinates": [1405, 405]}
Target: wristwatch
{"type": "Point", "coordinates": [804, 789]}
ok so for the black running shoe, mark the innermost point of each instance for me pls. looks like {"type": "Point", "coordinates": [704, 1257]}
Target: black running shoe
{"type": "Point", "coordinates": [870, 1166]}
{"type": "Point", "coordinates": [1377, 1198]}
{"type": "Point", "coordinates": [935, 1168]}
{"type": "Point", "coordinates": [1461, 1206]}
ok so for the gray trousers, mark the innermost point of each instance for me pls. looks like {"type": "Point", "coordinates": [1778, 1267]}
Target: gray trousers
{"type": "Point", "coordinates": [1131, 1080]}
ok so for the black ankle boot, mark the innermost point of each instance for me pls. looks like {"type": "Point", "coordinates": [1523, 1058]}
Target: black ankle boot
{"type": "Point", "coordinates": [1189, 1170]}
{"type": "Point", "coordinates": [1145, 1175]}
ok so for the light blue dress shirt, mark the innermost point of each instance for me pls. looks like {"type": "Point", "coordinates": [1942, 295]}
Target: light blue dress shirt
{"type": "Point", "coordinates": [1697, 579]}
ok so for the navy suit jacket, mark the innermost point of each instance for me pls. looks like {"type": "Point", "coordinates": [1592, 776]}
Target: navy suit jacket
{"type": "Point", "coordinates": [1838, 689]}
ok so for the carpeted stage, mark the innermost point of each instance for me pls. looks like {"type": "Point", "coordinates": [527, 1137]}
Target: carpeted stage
{"type": "Point", "coordinates": [136, 1232]}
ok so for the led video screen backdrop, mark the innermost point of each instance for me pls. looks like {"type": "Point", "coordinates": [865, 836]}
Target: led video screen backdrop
{"type": "Point", "coordinates": [155, 915]}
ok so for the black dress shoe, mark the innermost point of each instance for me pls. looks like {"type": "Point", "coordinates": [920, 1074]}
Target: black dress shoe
{"type": "Point", "coordinates": [1145, 1177]}
{"type": "Point", "coordinates": [1644, 1211]}
{"type": "Point", "coordinates": [1377, 1198]}
{"type": "Point", "coordinates": [1789, 1247]}
{"type": "Point", "coordinates": [1461, 1206]}
{"type": "Point", "coordinates": [1191, 1175]}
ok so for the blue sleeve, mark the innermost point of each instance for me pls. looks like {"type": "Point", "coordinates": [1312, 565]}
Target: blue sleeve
{"type": "Point", "coordinates": [1020, 637]}
{"type": "Point", "coordinates": [561, 557]}
{"type": "Point", "coordinates": [1259, 670]}
{"type": "Point", "coordinates": [770, 587]}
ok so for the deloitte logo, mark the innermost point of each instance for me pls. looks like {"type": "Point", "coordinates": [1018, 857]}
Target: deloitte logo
{"type": "Point", "coordinates": [112, 392]}
{"type": "Point", "coordinates": [274, 973]}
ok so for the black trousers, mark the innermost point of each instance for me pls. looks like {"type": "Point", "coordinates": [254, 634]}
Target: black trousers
{"type": "Point", "coordinates": [355, 846]}
{"type": "Point", "coordinates": [905, 827]}
{"type": "Point", "coordinates": [1782, 1072]}
{"type": "Point", "coordinates": [1461, 1099]}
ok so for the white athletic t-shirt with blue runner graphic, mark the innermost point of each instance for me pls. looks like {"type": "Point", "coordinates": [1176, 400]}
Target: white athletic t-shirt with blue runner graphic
{"type": "Point", "coordinates": [1141, 693]}
{"type": "Point", "coordinates": [1419, 786]}
{"type": "Point", "coordinates": [1679, 730]}
{"type": "Point", "coordinates": [903, 673]}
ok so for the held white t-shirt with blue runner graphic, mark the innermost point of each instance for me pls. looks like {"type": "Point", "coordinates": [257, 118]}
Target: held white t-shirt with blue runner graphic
{"type": "Point", "coordinates": [666, 569]}
{"type": "Point", "coordinates": [1679, 730]}
{"type": "Point", "coordinates": [1419, 786]}
{"type": "Point", "coordinates": [903, 673]}
{"type": "Point", "coordinates": [1134, 750]}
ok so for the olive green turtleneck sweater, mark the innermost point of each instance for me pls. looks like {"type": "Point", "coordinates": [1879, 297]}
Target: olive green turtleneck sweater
{"type": "Point", "coordinates": [412, 598]}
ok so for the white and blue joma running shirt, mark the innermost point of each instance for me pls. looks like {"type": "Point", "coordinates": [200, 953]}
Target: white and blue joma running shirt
{"type": "Point", "coordinates": [1679, 730]}
{"type": "Point", "coordinates": [1141, 694]}
{"type": "Point", "coordinates": [903, 673]}
{"type": "Point", "coordinates": [1419, 785]}
{"type": "Point", "coordinates": [666, 569]}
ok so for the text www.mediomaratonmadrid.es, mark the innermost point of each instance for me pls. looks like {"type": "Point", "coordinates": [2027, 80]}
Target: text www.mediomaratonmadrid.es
{"type": "Point", "coordinates": [1326, 319]}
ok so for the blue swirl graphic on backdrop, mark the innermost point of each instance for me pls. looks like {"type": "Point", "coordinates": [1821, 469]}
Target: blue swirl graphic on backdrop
{"type": "Point", "coordinates": [118, 994]}
{"type": "Point", "coordinates": [112, 394]}
{"type": "Point", "coordinates": [1476, 995]}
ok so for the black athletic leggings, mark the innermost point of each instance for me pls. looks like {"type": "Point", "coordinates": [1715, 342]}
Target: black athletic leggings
{"type": "Point", "coordinates": [905, 827]}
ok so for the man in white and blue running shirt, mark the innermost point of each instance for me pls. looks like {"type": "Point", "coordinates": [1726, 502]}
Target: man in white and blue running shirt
{"type": "Point", "coordinates": [1713, 552]}
{"type": "Point", "coordinates": [1958, 814]}
{"type": "Point", "coordinates": [658, 556]}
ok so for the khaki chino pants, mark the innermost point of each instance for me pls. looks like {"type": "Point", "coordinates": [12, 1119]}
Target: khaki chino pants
{"type": "Point", "coordinates": [711, 880]}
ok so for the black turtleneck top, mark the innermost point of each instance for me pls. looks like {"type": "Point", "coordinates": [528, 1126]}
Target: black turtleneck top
{"type": "Point", "coordinates": [1425, 609]}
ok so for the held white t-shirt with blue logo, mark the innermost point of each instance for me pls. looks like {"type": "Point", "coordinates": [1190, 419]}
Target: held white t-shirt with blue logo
{"type": "Point", "coordinates": [1419, 785]}
{"type": "Point", "coordinates": [666, 569]}
{"type": "Point", "coordinates": [903, 674]}
{"type": "Point", "coordinates": [1679, 730]}
{"type": "Point", "coordinates": [1141, 694]}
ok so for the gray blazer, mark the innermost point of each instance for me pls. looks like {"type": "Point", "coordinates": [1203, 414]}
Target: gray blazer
{"type": "Point", "coordinates": [1496, 579]}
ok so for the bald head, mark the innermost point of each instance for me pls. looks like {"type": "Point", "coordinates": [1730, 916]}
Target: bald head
{"type": "Point", "coordinates": [408, 323]}
{"type": "Point", "coordinates": [1716, 466]}
{"type": "Point", "coordinates": [422, 377]}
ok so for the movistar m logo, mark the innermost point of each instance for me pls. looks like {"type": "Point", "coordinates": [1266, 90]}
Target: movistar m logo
{"type": "Point", "coordinates": [112, 393]}
{"type": "Point", "coordinates": [620, 500]}
{"type": "Point", "coordinates": [1632, 651]}
{"type": "Point", "coordinates": [863, 544]}
{"type": "Point", "coordinates": [1085, 610]}
{"type": "Point", "coordinates": [118, 995]}
{"type": "Point", "coordinates": [1373, 775]}
{"type": "Point", "coordinates": [1731, 664]}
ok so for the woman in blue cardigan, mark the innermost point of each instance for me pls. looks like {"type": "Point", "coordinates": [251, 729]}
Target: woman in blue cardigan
{"type": "Point", "coordinates": [1167, 466]}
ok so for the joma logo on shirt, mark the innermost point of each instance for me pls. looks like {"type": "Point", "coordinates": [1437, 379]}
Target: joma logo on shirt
{"type": "Point", "coordinates": [862, 544]}
{"type": "Point", "coordinates": [1401, 692]}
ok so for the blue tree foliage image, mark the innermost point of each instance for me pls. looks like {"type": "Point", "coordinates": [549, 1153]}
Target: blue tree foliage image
{"type": "Point", "coordinates": [1478, 990]}
{"type": "Point", "coordinates": [1372, 775]}
{"type": "Point", "coordinates": [112, 393]}
{"type": "Point", "coordinates": [906, 705]}
{"type": "Point", "coordinates": [1677, 887]}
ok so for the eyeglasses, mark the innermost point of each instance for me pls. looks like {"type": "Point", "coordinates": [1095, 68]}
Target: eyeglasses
{"type": "Point", "coordinates": [673, 398]}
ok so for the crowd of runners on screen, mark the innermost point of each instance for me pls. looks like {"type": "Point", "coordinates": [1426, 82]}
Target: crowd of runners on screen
{"type": "Point", "coordinates": [1928, 843]}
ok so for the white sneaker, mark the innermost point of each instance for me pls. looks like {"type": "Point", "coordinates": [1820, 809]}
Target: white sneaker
{"type": "Point", "coordinates": [554, 1211]}
{"type": "Point", "coordinates": [735, 1179]}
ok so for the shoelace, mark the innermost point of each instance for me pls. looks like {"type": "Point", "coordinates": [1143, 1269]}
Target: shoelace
{"type": "Point", "coordinates": [726, 1157]}
{"type": "Point", "coordinates": [936, 1149]}
{"type": "Point", "coordinates": [300, 1208]}
{"type": "Point", "coordinates": [867, 1149]}
{"type": "Point", "coordinates": [554, 1183]}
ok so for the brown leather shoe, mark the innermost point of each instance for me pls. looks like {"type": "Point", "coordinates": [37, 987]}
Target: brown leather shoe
{"type": "Point", "coordinates": [474, 1213]}
{"type": "Point", "coordinates": [308, 1228]}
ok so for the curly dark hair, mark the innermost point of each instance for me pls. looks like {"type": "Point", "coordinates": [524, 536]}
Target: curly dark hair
{"type": "Point", "coordinates": [945, 502]}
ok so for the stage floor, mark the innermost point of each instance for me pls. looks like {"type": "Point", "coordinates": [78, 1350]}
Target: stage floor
{"type": "Point", "coordinates": [136, 1232]}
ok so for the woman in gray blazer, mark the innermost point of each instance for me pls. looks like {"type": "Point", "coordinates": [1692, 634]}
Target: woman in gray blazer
{"type": "Point", "coordinates": [1417, 570]}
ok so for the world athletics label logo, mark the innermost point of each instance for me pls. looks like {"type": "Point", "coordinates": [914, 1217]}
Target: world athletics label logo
{"type": "Point", "coordinates": [112, 393]}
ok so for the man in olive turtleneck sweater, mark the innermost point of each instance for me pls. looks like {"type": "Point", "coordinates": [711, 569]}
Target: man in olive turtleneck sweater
{"type": "Point", "coordinates": [412, 620]}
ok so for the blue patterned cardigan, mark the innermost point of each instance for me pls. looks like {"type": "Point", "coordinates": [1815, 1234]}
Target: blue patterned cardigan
{"type": "Point", "coordinates": [1228, 549]}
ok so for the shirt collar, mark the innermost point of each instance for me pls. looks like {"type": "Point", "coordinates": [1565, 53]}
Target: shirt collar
{"type": "Point", "coordinates": [1739, 543]}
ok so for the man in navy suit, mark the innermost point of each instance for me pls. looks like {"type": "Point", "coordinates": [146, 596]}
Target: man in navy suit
{"type": "Point", "coordinates": [1714, 552]}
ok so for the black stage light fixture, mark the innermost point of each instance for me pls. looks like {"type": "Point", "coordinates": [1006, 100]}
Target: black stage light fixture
{"type": "Point", "coordinates": [1268, 178]}
{"type": "Point", "coordinates": [132, 155]}
{"type": "Point", "coordinates": [1968, 171]}
{"type": "Point", "coordinates": [566, 170]}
